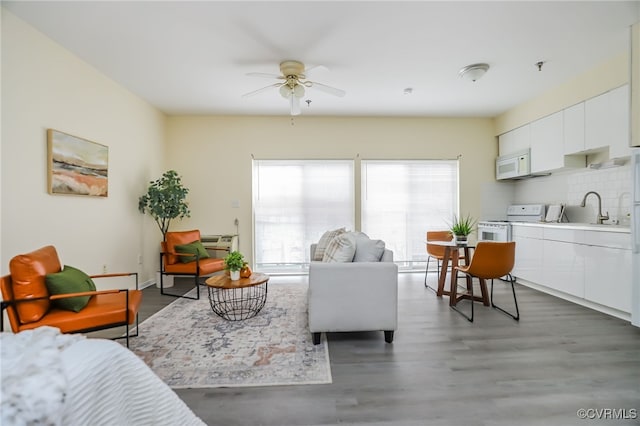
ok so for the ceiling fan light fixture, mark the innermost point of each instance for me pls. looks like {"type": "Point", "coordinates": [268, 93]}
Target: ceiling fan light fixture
{"type": "Point", "coordinates": [298, 90]}
{"type": "Point", "coordinates": [285, 91]}
{"type": "Point", "coordinates": [474, 72]}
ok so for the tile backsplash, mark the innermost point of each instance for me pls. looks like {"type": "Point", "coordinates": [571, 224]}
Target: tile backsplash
{"type": "Point", "coordinates": [569, 188]}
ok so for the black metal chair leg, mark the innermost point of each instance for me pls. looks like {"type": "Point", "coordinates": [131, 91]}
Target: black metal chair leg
{"type": "Point", "coordinates": [427, 270]}
{"type": "Point", "coordinates": [179, 295]}
{"type": "Point", "coordinates": [515, 300]}
{"type": "Point", "coordinates": [454, 307]}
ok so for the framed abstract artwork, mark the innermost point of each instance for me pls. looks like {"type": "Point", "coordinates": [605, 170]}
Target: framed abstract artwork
{"type": "Point", "coordinates": [76, 166]}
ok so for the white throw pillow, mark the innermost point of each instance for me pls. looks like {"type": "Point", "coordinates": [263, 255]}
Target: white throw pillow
{"type": "Point", "coordinates": [341, 248]}
{"type": "Point", "coordinates": [326, 238]}
{"type": "Point", "coordinates": [368, 250]}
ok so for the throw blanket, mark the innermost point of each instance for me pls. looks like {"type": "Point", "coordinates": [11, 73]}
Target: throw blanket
{"type": "Point", "coordinates": [51, 378]}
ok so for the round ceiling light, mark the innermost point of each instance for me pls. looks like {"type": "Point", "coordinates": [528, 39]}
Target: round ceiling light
{"type": "Point", "coordinates": [474, 71]}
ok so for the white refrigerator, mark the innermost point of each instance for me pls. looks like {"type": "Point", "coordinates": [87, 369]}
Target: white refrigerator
{"type": "Point", "coordinates": [635, 236]}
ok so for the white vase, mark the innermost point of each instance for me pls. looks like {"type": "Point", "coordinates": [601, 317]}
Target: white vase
{"type": "Point", "coordinates": [167, 280]}
{"type": "Point", "coordinates": [235, 275]}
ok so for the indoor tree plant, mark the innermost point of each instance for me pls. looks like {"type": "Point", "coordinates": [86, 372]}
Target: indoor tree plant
{"type": "Point", "coordinates": [234, 262]}
{"type": "Point", "coordinates": [165, 200]}
{"type": "Point", "coordinates": [461, 227]}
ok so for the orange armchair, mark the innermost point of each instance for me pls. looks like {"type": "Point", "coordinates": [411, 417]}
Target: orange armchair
{"type": "Point", "coordinates": [29, 304]}
{"type": "Point", "coordinates": [170, 263]}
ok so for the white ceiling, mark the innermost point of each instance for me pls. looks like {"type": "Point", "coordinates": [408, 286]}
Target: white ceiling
{"type": "Point", "coordinates": [193, 57]}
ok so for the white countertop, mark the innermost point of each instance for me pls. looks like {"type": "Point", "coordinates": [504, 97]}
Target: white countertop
{"type": "Point", "coordinates": [581, 226]}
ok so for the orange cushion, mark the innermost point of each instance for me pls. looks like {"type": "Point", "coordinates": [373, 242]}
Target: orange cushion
{"type": "Point", "coordinates": [173, 239]}
{"type": "Point", "coordinates": [102, 310]}
{"type": "Point", "coordinates": [207, 266]}
{"type": "Point", "coordinates": [28, 278]}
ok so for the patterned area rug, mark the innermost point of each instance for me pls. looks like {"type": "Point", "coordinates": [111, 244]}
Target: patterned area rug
{"type": "Point", "coordinates": [189, 346]}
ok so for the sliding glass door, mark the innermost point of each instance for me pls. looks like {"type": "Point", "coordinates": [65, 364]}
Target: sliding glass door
{"type": "Point", "coordinates": [401, 200]}
{"type": "Point", "coordinates": [295, 202]}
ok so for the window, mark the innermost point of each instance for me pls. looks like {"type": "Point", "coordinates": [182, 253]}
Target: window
{"type": "Point", "coordinates": [295, 202]}
{"type": "Point", "coordinates": [401, 200]}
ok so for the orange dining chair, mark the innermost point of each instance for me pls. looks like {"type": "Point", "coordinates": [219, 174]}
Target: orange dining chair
{"type": "Point", "coordinates": [491, 260]}
{"type": "Point", "coordinates": [436, 252]}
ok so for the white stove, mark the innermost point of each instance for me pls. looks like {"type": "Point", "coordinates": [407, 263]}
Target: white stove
{"type": "Point", "coordinates": [500, 230]}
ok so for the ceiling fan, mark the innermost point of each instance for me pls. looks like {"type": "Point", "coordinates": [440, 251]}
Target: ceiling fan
{"type": "Point", "coordinates": [293, 85]}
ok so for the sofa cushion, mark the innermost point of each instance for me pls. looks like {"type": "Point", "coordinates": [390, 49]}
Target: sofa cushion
{"type": "Point", "coordinates": [177, 238]}
{"type": "Point", "coordinates": [326, 238]}
{"type": "Point", "coordinates": [341, 248]}
{"type": "Point", "coordinates": [28, 281]}
{"type": "Point", "coordinates": [194, 248]}
{"type": "Point", "coordinates": [70, 280]}
{"type": "Point", "coordinates": [368, 250]}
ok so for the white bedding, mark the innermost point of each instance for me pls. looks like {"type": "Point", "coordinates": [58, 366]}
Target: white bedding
{"type": "Point", "coordinates": [50, 378]}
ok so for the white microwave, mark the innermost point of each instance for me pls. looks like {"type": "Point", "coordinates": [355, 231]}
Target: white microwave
{"type": "Point", "coordinates": [514, 166]}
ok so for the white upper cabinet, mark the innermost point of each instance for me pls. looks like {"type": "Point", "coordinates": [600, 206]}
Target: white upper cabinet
{"type": "Point", "coordinates": [515, 140]}
{"type": "Point", "coordinates": [547, 145]}
{"type": "Point", "coordinates": [563, 139]}
{"type": "Point", "coordinates": [574, 129]}
{"type": "Point", "coordinates": [607, 122]}
{"type": "Point", "coordinates": [635, 84]}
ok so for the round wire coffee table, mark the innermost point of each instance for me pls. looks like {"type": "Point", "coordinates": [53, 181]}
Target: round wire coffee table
{"type": "Point", "coordinates": [240, 299]}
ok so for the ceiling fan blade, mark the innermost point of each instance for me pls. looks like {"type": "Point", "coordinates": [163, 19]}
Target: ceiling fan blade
{"type": "Point", "coordinates": [315, 67]}
{"type": "Point", "coordinates": [324, 88]}
{"type": "Point", "coordinates": [263, 89]}
{"type": "Point", "coordinates": [295, 105]}
{"type": "Point", "coordinates": [264, 75]}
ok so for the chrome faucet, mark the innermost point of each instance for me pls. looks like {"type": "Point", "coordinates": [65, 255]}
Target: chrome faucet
{"type": "Point", "coordinates": [600, 219]}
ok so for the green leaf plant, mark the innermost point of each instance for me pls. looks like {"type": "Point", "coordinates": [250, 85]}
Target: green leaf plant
{"type": "Point", "coordinates": [165, 200]}
{"type": "Point", "coordinates": [463, 225]}
{"type": "Point", "coordinates": [234, 261]}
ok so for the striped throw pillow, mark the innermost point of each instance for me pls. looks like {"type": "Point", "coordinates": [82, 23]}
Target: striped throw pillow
{"type": "Point", "coordinates": [324, 242]}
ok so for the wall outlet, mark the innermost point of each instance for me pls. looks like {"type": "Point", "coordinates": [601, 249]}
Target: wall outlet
{"type": "Point", "coordinates": [104, 268]}
{"type": "Point", "coordinates": [139, 259]}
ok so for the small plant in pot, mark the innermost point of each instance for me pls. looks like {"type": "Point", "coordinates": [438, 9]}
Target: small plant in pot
{"type": "Point", "coordinates": [462, 227]}
{"type": "Point", "coordinates": [234, 262]}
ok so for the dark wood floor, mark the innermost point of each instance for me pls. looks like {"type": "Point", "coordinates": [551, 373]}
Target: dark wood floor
{"type": "Point", "coordinates": [443, 370]}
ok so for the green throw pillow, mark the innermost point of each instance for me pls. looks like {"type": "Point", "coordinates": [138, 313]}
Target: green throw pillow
{"type": "Point", "coordinates": [70, 280]}
{"type": "Point", "coordinates": [194, 248]}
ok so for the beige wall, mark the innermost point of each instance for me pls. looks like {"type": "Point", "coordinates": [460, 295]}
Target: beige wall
{"type": "Point", "coordinates": [606, 76]}
{"type": "Point", "coordinates": [214, 156]}
{"type": "Point", "coordinates": [45, 86]}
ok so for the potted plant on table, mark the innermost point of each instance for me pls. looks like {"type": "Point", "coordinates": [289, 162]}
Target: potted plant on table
{"type": "Point", "coordinates": [462, 227]}
{"type": "Point", "coordinates": [234, 262]}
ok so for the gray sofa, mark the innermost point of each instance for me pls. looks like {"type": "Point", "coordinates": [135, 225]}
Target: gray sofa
{"type": "Point", "coordinates": [353, 296]}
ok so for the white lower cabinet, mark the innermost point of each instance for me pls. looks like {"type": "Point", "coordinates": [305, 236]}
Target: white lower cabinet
{"type": "Point", "coordinates": [591, 265]}
{"type": "Point", "coordinates": [528, 264]}
{"type": "Point", "coordinates": [563, 267]}
{"type": "Point", "coordinates": [608, 271]}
